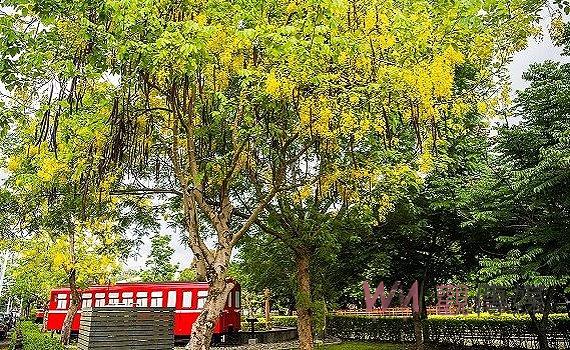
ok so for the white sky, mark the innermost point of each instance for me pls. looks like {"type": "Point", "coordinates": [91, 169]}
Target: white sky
{"type": "Point", "coordinates": [538, 50]}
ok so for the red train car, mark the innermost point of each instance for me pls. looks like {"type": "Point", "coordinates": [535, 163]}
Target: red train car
{"type": "Point", "coordinates": [187, 298]}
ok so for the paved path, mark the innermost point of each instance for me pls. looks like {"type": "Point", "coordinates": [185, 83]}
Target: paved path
{"type": "Point", "coordinates": [292, 345]}
{"type": "Point", "coordinates": [274, 346]}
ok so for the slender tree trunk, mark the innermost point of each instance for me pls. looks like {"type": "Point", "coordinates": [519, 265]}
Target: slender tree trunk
{"type": "Point", "coordinates": [420, 334]}
{"type": "Point", "coordinates": [73, 307]}
{"type": "Point", "coordinates": [568, 303]}
{"type": "Point", "coordinates": [44, 321]}
{"type": "Point", "coordinates": [203, 328]}
{"type": "Point", "coordinates": [303, 259]}
{"type": "Point", "coordinates": [540, 330]}
{"type": "Point", "coordinates": [418, 331]}
{"type": "Point", "coordinates": [541, 326]}
{"type": "Point", "coordinates": [75, 295]}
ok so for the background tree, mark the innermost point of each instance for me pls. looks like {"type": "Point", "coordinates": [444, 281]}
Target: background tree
{"type": "Point", "coordinates": [159, 266]}
{"type": "Point", "coordinates": [526, 197]}
{"type": "Point", "coordinates": [60, 195]}
{"type": "Point", "coordinates": [188, 275]}
{"type": "Point", "coordinates": [43, 262]}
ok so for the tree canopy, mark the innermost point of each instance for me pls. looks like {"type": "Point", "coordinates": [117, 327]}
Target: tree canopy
{"type": "Point", "coordinates": [229, 110]}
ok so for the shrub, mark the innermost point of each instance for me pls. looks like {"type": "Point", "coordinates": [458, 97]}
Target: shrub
{"type": "Point", "coordinates": [276, 321]}
{"type": "Point", "coordinates": [34, 339]}
{"type": "Point", "coordinates": [485, 330]}
{"type": "Point", "coordinates": [381, 329]}
{"type": "Point", "coordinates": [284, 321]}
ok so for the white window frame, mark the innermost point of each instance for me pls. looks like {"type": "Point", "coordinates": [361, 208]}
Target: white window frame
{"type": "Point", "coordinates": [62, 301]}
{"type": "Point", "coordinates": [187, 300]}
{"type": "Point", "coordinates": [127, 298]}
{"type": "Point", "coordinates": [202, 296]}
{"type": "Point", "coordinates": [100, 299]}
{"type": "Point", "coordinates": [172, 298]}
{"type": "Point", "coordinates": [237, 303]}
{"type": "Point", "coordinates": [86, 300]}
{"type": "Point", "coordinates": [142, 299]}
{"type": "Point", "coordinates": [156, 299]}
{"type": "Point", "coordinates": [113, 299]}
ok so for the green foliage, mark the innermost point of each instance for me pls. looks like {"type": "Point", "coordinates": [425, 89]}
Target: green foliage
{"type": "Point", "coordinates": [159, 267]}
{"type": "Point", "coordinates": [276, 321]}
{"type": "Point", "coordinates": [188, 275]}
{"type": "Point", "coordinates": [319, 317]}
{"type": "Point", "coordinates": [42, 262]}
{"type": "Point", "coordinates": [368, 328]}
{"type": "Point", "coordinates": [34, 339]}
{"type": "Point", "coordinates": [441, 329]}
{"type": "Point", "coordinates": [529, 192]}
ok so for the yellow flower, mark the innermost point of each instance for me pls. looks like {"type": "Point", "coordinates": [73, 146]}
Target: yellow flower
{"type": "Point", "coordinates": [291, 7]}
{"type": "Point", "coordinates": [14, 163]}
{"type": "Point", "coordinates": [201, 19]}
{"type": "Point", "coordinates": [272, 85]}
{"type": "Point", "coordinates": [425, 162]}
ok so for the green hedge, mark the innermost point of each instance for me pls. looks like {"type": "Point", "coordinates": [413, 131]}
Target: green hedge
{"type": "Point", "coordinates": [276, 321]}
{"type": "Point", "coordinates": [487, 331]}
{"type": "Point", "coordinates": [34, 339]}
{"type": "Point", "coordinates": [382, 329]}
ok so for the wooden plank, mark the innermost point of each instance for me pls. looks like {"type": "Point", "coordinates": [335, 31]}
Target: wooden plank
{"type": "Point", "coordinates": [126, 328]}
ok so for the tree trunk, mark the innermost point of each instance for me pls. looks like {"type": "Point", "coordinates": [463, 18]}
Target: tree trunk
{"type": "Point", "coordinates": [73, 307]}
{"type": "Point", "coordinates": [540, 330]}
{"type": "Point", "coordinates": [203, 328]}
{"type": "Point", "coordinates": [44, 321]}
{"type": "Point", "coordinates": [541, 326]}
{"type": "Point", "coordinates": [304, 326]}
{"type": "Point", "coordinates": [75, 295]}
{"type": "Point", "coordinates": [418, 331]}
{"type": "Point", "coordinates": [568, 303]}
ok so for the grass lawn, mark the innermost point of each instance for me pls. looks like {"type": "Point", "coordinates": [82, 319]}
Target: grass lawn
{"type": "Point", "coordinates": [363, 346]}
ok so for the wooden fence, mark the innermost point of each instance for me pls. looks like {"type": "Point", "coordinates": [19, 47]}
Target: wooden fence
{"type": "Point", "coordinates": [388, 312]}
{"type": "Point", "coordinates": [125, 328]}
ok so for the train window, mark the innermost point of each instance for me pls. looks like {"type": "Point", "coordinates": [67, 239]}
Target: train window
{"type": "Point", "coordinates": [202, 295]}
{"type": "Point", "coordinates": [99, 299]}
{"type": "Point", "coordinates": [187, 300]}
{"type": "Point", "coordinates": [128, 298]}
{"type": "Point", "coordinates": [156, 299]}
{"type": "Point", "coordinates": [142, 299]}
{"type": "Point", "coordinates": [62, 301]}
{"type": "Point", "coordinates": [237, 303]}
{"type": "Point", "coordinates": [230, 299]}
{"type": "Point", "coordinates": [113, 299]}
{"type": "Point", "coordinates": [171, 298]}
{"type": "Point", "coordinates": [87, 300]}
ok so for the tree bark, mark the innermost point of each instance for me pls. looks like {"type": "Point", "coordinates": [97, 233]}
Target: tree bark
{"type": "Point", "coordinates": [75, 295]}
{"type": "Point", "coordinates": [304, 326]}
{"type": "Point", "coordinates": [73, 307]}
{"type": "Point", "coordinates": [541, 326]}
{"type": "Point", "coordinates": [568, 303]}
{"type": "Point", "coordinates": [203, 328]}
{"type": "Point", "coordinates": [418, 331]}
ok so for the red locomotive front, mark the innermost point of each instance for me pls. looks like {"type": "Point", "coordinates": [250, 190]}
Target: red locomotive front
{"type": "Point", "coordinates": [187, 298]}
